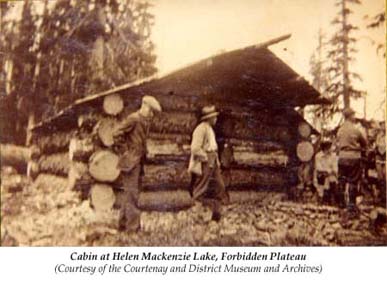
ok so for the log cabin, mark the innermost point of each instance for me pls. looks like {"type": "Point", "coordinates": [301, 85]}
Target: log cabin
{"type": "Point", "coordinates": [259, 131]}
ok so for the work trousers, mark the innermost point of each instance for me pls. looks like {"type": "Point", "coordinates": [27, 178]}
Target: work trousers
{"type": "Point", "coordinates": [208, 195]}
{"type": "Point", "coordinates": [127, 199]}
{"type": "Point", "coordinates": [350, 173]}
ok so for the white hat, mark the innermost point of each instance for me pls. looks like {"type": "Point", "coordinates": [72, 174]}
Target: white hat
{"type": "Point", "coordinates": [151, 102]}
{"type": "Point", "coordinates": [209, 112]}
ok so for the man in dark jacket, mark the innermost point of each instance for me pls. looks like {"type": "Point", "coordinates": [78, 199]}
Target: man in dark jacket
{"type": "Point", "coordinates": [351, 142]}
{"type": "Point", "coordinates": [133, 132]}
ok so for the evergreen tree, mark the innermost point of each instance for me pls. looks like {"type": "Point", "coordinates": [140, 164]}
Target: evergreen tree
{"type": "Point", "coordinates": [70, 49]}
{"type": "Point", "coordinates": [341, 56]}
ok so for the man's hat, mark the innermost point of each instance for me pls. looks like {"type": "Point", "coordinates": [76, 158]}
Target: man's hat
{"type": "Point", "coordinates": [348, 112]}
{"type": "Point", "coordinates": [209, 112]}
{"type": "Point", "coordinates": [151, 102]}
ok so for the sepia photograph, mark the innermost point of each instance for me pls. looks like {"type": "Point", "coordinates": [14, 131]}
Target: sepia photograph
{"type": "Point", "coordinates": [253, 123]}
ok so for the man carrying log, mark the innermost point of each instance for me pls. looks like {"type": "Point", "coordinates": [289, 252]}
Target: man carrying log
{"type": "Point", "coordinates": [351, 141]}
{"type": "Point", "coordinates": [204, 163]}
{"type": "Point", "coordinates": [133, 131]}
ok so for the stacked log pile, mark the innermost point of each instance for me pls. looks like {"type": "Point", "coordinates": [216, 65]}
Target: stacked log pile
{"type": "Point", "coordinates": [49, 153]}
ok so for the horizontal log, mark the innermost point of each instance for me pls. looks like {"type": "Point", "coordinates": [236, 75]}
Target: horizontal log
{"type": "Point", "coordinates": [167, 200]}
{"type": "Point", "coordinates": [15, 156]}
{"type": "Point", "coordinates": [254, 179]}
{"type": "Point", "coordinates": [55, 142]}
{"type": "Point", "coordinates": [254, 146]}
{"type": "Point", "coordinates": [255, 159]}
{"type": "Point", "coordinates": [177, 138]}
{"type": "Point", "coordinates": [81, 149]}
{"type": "Point", "coordinates": [162, 150]}
{"type": "Point", "coordinates": [254, 129]}
{"type": "Point", "coordinates": [171, 174]}
{"type": "Point", "coordinates": [174, 122]}
{"type": "Point", "coordinates": [58, 163]}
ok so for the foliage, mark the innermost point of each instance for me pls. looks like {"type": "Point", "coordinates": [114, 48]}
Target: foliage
{"type": "Point", "coordinates": [59, 51]}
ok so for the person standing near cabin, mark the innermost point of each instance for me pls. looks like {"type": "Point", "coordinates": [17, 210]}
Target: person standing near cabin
{"type": "Point", "coordinates": [325, 174]}
{"type": "Point", "coordinates": [133, 130]}
{"type": "Point", "coordinates": [204, 163]}
{"type": "Point", "coordinates": [351, 142]}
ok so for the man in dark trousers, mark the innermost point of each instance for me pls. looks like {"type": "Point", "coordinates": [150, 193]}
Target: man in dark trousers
{"type": "Point", "coordinates": [351, 142]}
{"type": "Point", "coordinates": [133, 132]}
{"type": "Point", "coordinates": [204, 163]}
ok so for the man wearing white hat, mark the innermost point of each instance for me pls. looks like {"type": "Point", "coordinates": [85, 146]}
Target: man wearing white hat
{"type": "Point", "coordinates": [133, 130]}
{"type": "Point", "coordinates": [204, 163]}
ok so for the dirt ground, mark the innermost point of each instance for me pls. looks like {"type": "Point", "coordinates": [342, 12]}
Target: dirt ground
{"type": "Point", "coordinates": [45, 213]}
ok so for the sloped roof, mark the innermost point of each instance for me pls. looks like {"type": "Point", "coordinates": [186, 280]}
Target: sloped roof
{"type": "Point", "coordinates": [251, 76]}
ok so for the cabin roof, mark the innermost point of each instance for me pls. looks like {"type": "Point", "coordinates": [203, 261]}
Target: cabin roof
{"type": "Point", "coordinates": [252, 76]}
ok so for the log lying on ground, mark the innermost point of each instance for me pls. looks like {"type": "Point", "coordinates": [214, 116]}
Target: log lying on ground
{"type": "Point", "coordinates": [15, 156]}
{"type": "Point", "coordinates": [102, 197]}
{"type": "Point", "coordinates": [103, 166]}
{"type": "Point", "coordinates": [58, 163]}
{"type": "Point", "coordinates": [81, 149]}
{"type": "Point", "coordinates": [169, 175]}
{"type": "Point", "coordinates": [168, 200]}
{"type": "Point", "coordinates": [55, 142]}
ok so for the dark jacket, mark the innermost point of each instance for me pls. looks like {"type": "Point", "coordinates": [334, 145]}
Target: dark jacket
{"type": "Point", "coordinates": [130, 139]}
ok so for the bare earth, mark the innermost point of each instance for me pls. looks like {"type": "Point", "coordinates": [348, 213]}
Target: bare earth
{"type": "Point", "coordinates": [45, 213]}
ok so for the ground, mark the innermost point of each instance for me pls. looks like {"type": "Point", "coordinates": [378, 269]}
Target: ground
{"type": "Point", "coordinates": [46, 213]}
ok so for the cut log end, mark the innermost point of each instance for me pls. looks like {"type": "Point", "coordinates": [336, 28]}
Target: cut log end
{"type": "Point", "coordinates": [113, 104]}
{"type": "Point", "coordinates": [105, 132]}
{"type": "Point", "coordinates": [103, 166]}
{"type": "Point", "coordinates": [102, 197]}
{"type": "Point", "coordinates": [305, 151]}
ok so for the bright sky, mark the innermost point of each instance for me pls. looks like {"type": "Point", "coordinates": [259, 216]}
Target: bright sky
{"type": "Point", "coordinates": [190, 30]}
{"type": "Point", "coordinates": [186, 31]}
